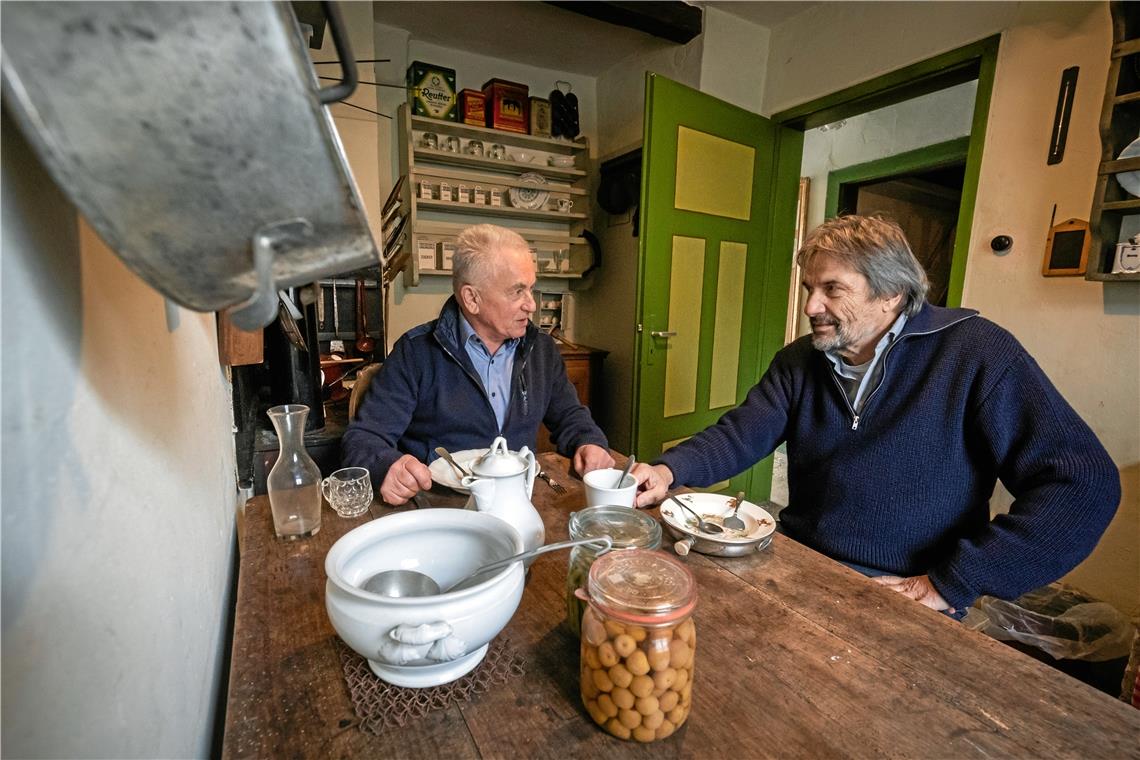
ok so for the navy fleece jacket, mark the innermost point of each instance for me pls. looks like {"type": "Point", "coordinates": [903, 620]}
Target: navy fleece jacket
{"type": "Point", "coordinates": [428, 394]}
{"type": "Point", "coordinates": [905, 486]}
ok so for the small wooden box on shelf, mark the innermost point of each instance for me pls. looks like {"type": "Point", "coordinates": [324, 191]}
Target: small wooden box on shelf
{"type": "Point", "coordinates": [1115, 214]}
{"type": "Point", "coordinates": [469, 174]}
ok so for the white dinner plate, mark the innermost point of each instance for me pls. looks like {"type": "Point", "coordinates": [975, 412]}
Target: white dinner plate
{"type": "Point", "coordinates": [444, 474]}
{"type": "Point", "coordinates": [714, 507]}
{"type": "Point", "coordinates": [1130, 181]}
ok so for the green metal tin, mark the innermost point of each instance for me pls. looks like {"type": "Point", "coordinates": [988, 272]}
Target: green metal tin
{"type": "Point", "coordinates": [431, 91]}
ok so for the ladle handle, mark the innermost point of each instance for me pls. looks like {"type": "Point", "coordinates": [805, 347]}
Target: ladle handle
{"type": "Point", "coordinates": [604, 543]}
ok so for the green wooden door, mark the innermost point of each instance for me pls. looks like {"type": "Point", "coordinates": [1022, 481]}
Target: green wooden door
{"type": "Point", "coordinates": [718, 196]}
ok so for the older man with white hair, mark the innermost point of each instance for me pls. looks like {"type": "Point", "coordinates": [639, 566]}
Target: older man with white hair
{"type": "Point", "coordinates": [480, 370]}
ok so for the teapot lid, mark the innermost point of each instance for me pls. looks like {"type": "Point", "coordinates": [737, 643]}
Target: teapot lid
{"type": "Point", "coordinates": [499, 462]}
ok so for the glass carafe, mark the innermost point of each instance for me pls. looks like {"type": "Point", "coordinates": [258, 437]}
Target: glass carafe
{"type": "Point", "coordinates": [294, 483]}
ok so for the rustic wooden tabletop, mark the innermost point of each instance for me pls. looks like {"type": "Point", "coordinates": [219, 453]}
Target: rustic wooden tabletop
{"type": "Point", "coordinates": [798, 657]}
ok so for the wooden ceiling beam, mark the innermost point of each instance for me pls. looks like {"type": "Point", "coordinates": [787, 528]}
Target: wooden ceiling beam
{"type": "Point", "coordinates": [674, 21]}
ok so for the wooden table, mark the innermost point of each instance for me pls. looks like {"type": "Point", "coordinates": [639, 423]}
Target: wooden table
{"type": "Point", "coordinates": [798, 657]}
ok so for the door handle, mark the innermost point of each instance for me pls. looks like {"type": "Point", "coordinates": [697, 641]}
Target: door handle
{"type": "Point", "coordinates": [663, 333]}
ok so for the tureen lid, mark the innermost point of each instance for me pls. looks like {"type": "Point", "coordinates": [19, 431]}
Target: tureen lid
{"type": "Point", "coordinates": [499, 462]}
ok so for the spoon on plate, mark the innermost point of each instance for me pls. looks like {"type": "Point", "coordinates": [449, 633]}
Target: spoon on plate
{"type": "Point", "coordinates": [703, 525]}
{"type": "Point", "coordinates": [463, 471]}
{"type": "Point", "coordinates": [402, 583]}
{"type": "Point", "coordinates": [732, 521]}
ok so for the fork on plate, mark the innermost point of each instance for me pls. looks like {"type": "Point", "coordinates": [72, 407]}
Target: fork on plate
{"type": "Point", "coordinates": [554, 484]}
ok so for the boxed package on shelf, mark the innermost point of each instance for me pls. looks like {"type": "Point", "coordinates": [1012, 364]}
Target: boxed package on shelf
{"type": "Point", "coordinates": [431, 91]}
{"type": "Point", "coordinates": [473, 108]}
{"type": "Point", "coordinates": [425, 190]}
{"type": "Point", "coordinates": [507, 105]}
{"type": "Point", "coordinates": [446, 254]}
{"type": "Point", "coordinates": [425, 253]}
{"type": "Point", "coordinates": [445, 191]}
{"type": "Point", "coordinates": [539, 117]}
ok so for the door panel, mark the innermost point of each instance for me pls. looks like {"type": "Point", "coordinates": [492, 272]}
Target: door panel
{"type": "Point", "coordinates": [681, 361]}
{"type": "Point", "coordinates": [718, 207]}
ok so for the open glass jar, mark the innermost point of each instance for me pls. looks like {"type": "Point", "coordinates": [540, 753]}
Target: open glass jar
{"type": "Point", "coordinates": [627, 529]}
{"type": "Point", "coordinates": [639, 644]}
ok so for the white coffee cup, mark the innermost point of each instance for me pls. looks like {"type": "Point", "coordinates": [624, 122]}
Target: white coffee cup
{"type": "Point", "coordinates": [600, 489]}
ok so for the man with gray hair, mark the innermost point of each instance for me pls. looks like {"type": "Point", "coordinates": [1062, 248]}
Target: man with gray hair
{"type": "Point", "coordinates": [480, 370]}
{"type": "Point", "coordinates": [899, 417]}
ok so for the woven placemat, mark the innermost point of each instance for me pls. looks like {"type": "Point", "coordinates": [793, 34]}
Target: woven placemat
{"type": "Point", "coordinates": [380, 705]}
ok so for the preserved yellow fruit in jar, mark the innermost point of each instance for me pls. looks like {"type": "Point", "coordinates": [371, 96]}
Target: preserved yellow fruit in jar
{"type": "Point", "coordinates": [638, 644]}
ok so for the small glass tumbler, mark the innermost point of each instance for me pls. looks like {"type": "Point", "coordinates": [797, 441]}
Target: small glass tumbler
{"type": "Point", "coordinates": [474, 148]}
{"type": "Point", "coordinates": [498, 152]}
{"type": "Point", "coordinates": [349, 491]}
{"type": "Point", "coordinates": [452, 144]}
{"type": "Point", "coordinates": [431, 140]}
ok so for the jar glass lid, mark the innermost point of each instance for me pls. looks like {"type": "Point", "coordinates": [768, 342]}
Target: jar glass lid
{"type": "Point", "coordinates": [641, 582]}
{"type": "Point", "coordinates": [627, 528]}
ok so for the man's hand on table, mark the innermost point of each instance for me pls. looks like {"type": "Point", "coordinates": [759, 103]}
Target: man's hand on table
{"type": "Point", "coordinates": [406, 477]}
{"type": "Point", "coordinates": [653, 481]}
{"type": "Point", "coordinates": [590, 457]}
{"type": "Point", "coordinates": [919, 588]}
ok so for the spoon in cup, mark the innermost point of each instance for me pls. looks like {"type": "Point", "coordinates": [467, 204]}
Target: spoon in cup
{"type": "Point", "coordinates": [628, 467]}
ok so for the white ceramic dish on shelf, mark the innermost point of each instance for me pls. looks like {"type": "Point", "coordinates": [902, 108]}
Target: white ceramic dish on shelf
{"type": "Point", "coordinates": [522, 156]}
{"type": "Point", "coordinates": [529, 198]}
{"type": "Point", "coordinates": [563, 162]}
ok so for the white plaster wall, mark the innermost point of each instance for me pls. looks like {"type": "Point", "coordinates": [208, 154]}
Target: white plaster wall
{"type": "Point", "coordinates": [1085, 335]}
{"type": "Point", "coordinates": [834, 45]}
{"type": "Point", "coordinates": [118, 494]}
{"type": "Point", "coordinates": [621, 92]}
{"type": "Point", "coordinates": [734, 59]}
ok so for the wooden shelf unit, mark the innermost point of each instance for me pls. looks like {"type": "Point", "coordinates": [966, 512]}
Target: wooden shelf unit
{"type": "Point", "coordinates": [1119, 127]}
{"type": "Point", "coordinates": [547, 230]}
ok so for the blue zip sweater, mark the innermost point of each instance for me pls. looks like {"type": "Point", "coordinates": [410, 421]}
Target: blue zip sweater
{"type": "Point", "coordinates": [428, 394]}
{"type": "Point", "coordinates": [905, 486]}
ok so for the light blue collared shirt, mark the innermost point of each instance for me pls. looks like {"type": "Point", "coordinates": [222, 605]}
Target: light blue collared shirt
{"type": "Point", "coordinates": [858, 379]}
{"type": "Point", "coordinates": [493, 370]}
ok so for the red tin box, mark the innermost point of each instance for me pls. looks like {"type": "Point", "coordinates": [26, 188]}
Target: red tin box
{"type": "Point", "coordinates": [473, 108]}
{"type": "Point", "coordinates": [507, 105]}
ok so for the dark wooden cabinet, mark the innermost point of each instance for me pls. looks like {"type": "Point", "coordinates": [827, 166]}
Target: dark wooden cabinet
{"type": "Point", "coordinates": [584, 369]}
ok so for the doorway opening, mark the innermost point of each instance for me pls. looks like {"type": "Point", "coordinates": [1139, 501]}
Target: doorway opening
{"type": "Point", "coordinates": [921, 190]}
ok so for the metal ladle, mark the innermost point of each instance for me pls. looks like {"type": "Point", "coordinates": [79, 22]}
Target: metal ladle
{"type": "Point", "coordinates": [703, 525]}
{"type": "Point", "coordinates": [401, 583]}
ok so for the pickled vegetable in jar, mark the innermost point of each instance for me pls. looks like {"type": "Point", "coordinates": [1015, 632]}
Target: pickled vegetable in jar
{"type": "Point", "coordinates": [627, 528]}
{"type": "Point", "coordinates": [639, 644]}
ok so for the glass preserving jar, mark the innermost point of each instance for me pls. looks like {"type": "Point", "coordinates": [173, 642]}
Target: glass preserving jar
{"type": "Point", "coordinates": [639, 644]}
{"type": "Point", "coordinates": [627, 528]}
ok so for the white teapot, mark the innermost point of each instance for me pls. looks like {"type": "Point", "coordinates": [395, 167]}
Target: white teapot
{"type": "Point", "coordinates": [502, 485]}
